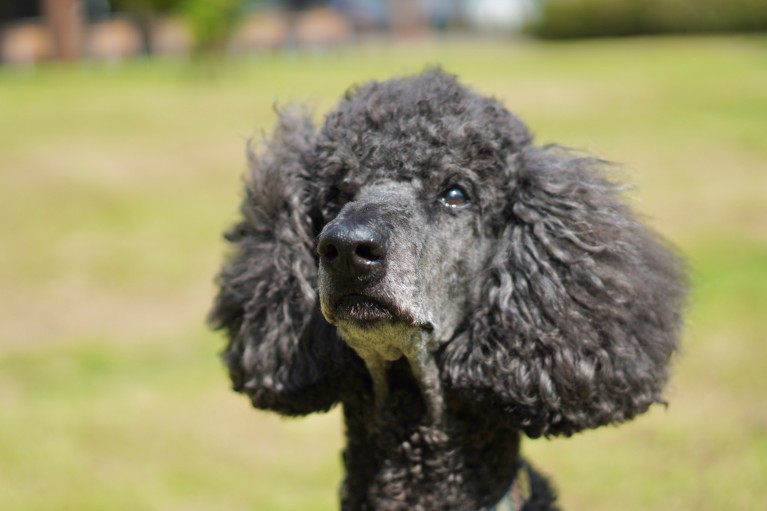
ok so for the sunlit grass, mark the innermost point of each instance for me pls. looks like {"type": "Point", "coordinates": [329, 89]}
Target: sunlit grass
{"type": "Point", "coordinates": [117, 182]}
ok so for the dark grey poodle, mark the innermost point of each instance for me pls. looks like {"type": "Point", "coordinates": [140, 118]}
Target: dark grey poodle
{"type": "Point", "coordinates": [450, 284]}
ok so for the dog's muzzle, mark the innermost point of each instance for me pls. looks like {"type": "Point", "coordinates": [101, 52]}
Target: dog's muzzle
{"type": "Point", "coordinates": [353, 260]}
{"type": "Point", "coordinates": [355, 255]}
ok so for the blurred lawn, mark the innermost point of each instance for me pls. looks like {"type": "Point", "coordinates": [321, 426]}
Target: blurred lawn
{"type": "Point", "coordinates": [116, 184]}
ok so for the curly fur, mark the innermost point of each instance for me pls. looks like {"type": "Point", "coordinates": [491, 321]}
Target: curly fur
{"type": "Point", "coordinates": [541, 307]}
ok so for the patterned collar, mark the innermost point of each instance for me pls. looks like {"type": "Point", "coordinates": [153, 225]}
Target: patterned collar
{"type": "Point", "coordinates": [519, 493]}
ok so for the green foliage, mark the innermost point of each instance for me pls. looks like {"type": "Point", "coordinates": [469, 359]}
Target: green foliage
{"type": "Point", "coordinates": [600, 18]}
{"type": "Point", "coordinates": [211, 22]}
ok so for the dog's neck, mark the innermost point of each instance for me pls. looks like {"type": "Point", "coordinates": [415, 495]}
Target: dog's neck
{"type": "Point", "coordinates": [401, 461]}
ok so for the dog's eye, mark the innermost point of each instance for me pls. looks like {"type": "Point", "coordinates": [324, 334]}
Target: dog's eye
{"type": "Point", "coordinates": [455, 197]}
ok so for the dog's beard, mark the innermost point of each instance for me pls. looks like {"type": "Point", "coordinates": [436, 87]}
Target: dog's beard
{"type": "Point", "coordinates": [382, 342]}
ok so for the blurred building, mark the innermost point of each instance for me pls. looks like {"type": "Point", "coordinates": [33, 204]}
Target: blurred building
{"type": "Point", "coordinates": [32, 31]}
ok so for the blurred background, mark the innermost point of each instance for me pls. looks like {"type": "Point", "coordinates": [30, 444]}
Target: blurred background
{"type": "Point", "coordinates": [123, 126]}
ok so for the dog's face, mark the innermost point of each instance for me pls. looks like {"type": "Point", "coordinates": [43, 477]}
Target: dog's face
{"type": "Point", "coordinates": [397, 260]}
{"type": "Point", "coordinates": [404, 233]}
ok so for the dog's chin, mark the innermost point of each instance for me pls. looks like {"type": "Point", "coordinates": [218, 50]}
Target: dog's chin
{"type": "Point", "coordinates": [366, 312]}
{"type": "Point", "coordinates": [363, 311]}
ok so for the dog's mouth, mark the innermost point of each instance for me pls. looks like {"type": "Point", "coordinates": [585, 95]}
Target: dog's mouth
{"type": "Point", "coordinates": [365, 310]}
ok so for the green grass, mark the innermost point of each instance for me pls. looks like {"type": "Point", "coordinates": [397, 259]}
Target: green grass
{"type": "Point", "coordinates": [116, 184]}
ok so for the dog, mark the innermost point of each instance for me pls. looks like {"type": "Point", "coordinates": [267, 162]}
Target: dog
{"type": "Point", "coordinates": [452, 285]}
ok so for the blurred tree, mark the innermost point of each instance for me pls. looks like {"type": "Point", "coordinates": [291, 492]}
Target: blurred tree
{"type": "Point", "coordinates": [211, 22]}
{"type": "Point", "coordinates": [65, 19]}
{"type": "Point", "coordinates": [600, 18]}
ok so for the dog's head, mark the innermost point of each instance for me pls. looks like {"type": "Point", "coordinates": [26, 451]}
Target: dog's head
{"type": "Point", "coordinates": [423, 207]}
{"type": "Point", "coordinates": [414, 165]}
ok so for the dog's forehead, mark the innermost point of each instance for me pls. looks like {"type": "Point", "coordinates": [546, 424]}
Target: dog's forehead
{"type": "Point", "coordinates": [398, 194]}
{"type": "Point", "coordinates": [389, 175]}
{"type": "Point", "coordinates": [423, 165]}
{"type": "Point", "coordinates": [428, 130]}
{"type": "Point", "coordinates": [414, 150]}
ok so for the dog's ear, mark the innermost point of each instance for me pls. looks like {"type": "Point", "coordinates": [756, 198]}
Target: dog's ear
{"type": "Point", "coordinates": [280, 351]}
{"type": "Point", "coordinates": [581, 306]}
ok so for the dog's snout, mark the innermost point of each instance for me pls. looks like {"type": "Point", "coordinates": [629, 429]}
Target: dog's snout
{"type": "Point", "coordinates": [351, 248]}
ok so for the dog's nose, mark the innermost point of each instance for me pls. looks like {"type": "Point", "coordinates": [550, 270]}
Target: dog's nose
{"type": "Point", "coordinates": [352, 248]}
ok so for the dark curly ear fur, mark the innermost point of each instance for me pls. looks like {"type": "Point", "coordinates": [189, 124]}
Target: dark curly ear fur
{"type": "Point", "coordinates": [267, 298]}
{"type": "Point", "coordinates": [582, 304]}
